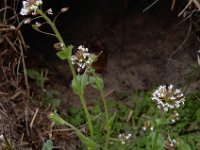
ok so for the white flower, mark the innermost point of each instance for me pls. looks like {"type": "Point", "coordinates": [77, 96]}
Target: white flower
{"type": "Point", "coordinates": [30, 6]}
{"type": "Point", "coordinates": [49, 11]}
{"type": "Point", "coordinates": [124, 137]}
{"type": "Point", "coordinates": [27, 21]}
{"type": "Point", "coordinates": [39, 2]}
{"type": "Point", "coordinates": [38, 24]}
{"type": "Point", "coordinates": [81, 58]}
{"type": "Point", "coordinates": [151, 128]}
{"type": "Point", "coordinates": [144, 128]}
{"type": "Point", "coordinates": [64, 9]}
{"type": "Point", "coordinates": [148, 125]}
{"type": "Point", "coordinates": [172, 142]}
{"type": "Point", "coordinates": [174, 116]}
{"type": "Point", "coordinates": [167, 98]}
{"type": "Point", "coordinates": [24, 11]}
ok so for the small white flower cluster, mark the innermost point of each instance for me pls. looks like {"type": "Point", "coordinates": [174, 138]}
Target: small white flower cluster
{"type": "Point", "coordinates": [30, 6]}
{"type": "Point", "coordinates": [167, 97]}
{"type": "Point", "coordinates": [172, 142]}
{"type": "Point", "coordinates": [174, 116]}
{"type": "Point", "coordinates": [50, 11]}
{"type": "Point", "coordinates": [148, 125]}
{"type": "Point", "coordinates": [81, 58]}
{"type": "Point", "coordinates": [123, 137]}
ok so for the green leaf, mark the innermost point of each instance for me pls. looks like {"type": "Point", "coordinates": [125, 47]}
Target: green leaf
{"type": "Point", "coordinates": [96, 82]}
{"type": "Point", "coordinates": [158, 122]}
{"type": "Point", "coordinates": [183, 145]}
{"type": "Point", "coordinates": [84, 82]}
{"type": "Point", "coordinates": [50, 97]}
{"type": "Point", "coordinates": [35, 27]}
{"type": "Point", "coordinates": [38, 77]}
{"type": "Point", "coordinates": [110, 122]}
{"type": "Point", "coordinates": [157, 139]}
{"type": "Point", "coordinates": [91, 145]}
{"type": "Point", "coordinates": [54, 117]}
{"type": "Point", "coordinates": [65, 53]}
{"type": "Point", "coordinates": [198, 114]}
{"type": "Point", "coordinates": [76, 84]}
{"type": "Point", "coordinates": [48, 145]}
{"type": "Point", "coordinates": [54, 103]}
{"type": "Point", "coordinates": [73, 110]}
{"type": "Point", "coordinates": [79, 83]}
{"type": "Point", "coordinates": [160, 142]}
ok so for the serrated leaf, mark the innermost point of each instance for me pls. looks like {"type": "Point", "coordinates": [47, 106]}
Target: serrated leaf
{"type": "Point", "coordinates": [38, 77]}
{"type": "Point", "coordinates": [51, 98]}
{"type": "Point", "coordinates": [65, 53]}
{"type": "Point", "coordinates": [48, 145]}
{"type": "Point", "coordinates": [54, 103]}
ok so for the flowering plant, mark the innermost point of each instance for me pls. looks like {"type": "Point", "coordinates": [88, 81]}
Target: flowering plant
{"type": "Point", "coordinates": [82, 60]}
{"type": "Point", "coordinates": [168, 99]}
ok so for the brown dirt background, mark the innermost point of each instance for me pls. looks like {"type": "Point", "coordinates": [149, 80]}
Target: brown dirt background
{"type": "Point", "coordinates": [141, 50]}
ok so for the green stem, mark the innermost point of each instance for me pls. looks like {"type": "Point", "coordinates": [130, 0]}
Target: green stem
{"type": "Point", "coordinates": [60, 39]}
{"type": "Point", "coordinates": [8, 143]}
{"type": "Point", "coordinates": [71, 67]}
{"type": "Point", "coordinates": [106, 112]}
{"type": "Point", "coordinates": [154, 146]}
{"type": "Point", "coordinates": [107, 119]}
{"type": "Point", "coordinates": [73, 127]}
{"type": "Point", "coordinates": [85, 108]}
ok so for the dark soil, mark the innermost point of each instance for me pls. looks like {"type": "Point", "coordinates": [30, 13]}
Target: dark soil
{"type": "Point", "coordinates": [140, 50]}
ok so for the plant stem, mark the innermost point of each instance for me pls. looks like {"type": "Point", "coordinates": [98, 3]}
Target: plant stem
{"type": "Point", "coordinates": [106, 112]}
{"type": "Point", "coordinates": [154, 147]}
{"type": "Point", "coordinates": [85, 108]}
{"type": "Point", "coordinates": [52, 26]}
{"type": "Point", "coordinates": [10, 147]}
{"type": "Point", "coordinates": [73, 127]}
{"type": "Point", "coordinates": [60, 39]}
{"type": "Point", "coordinates": [105, 105]}
{"type": "Point", "coordinates": [107, 119]}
